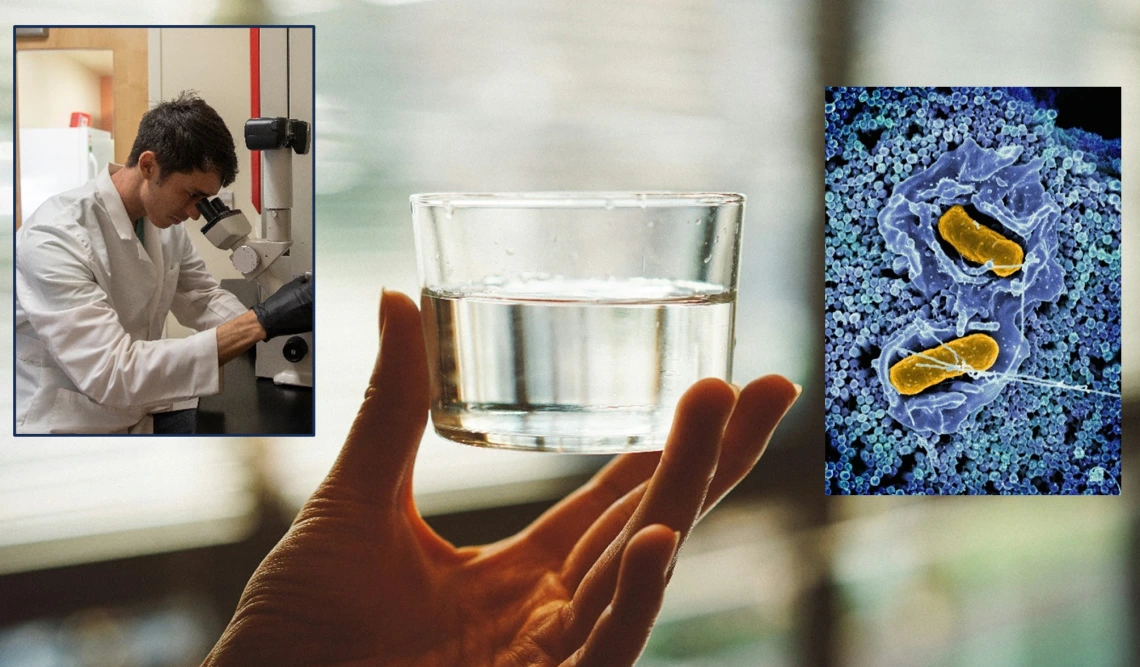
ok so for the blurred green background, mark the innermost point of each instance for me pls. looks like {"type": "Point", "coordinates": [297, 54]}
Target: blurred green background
{"type": "Point", "coordinates": [133, 552]}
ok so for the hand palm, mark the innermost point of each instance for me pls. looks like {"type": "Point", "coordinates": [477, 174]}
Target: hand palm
{"type": "Point", "coordinates": [360, 579]}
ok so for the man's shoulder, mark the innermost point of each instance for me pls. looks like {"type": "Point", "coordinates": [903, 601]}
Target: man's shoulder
{"type": "Point", "coordinates": [71, 222]}
{"type": "Point", "coordinates": [72, 210]}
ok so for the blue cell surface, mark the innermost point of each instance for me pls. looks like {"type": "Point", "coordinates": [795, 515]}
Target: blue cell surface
{"type": "Point", "coordinates": [1011, 194]}
{"type": "Point", "coordinates": [1046, 417]}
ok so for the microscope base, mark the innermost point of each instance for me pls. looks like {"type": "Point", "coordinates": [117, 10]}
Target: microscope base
{"type": "Point", "coordinates": [273, 364]}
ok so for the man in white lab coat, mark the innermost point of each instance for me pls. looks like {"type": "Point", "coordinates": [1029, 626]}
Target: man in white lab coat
{"type": "Point", "coordinates": [98, 269]}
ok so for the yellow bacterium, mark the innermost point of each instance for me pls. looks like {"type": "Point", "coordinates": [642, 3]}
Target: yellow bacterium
{"type": "Point", "coordinates": [919, 372]}
{"type": "Point", "coordinates": [979, 244]}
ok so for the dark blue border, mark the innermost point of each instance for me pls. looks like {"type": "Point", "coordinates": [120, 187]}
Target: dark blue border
{"type": "Point", "coordinates": [313, 194]}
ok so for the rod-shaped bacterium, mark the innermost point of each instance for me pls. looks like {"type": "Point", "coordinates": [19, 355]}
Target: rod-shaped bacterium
{"type": "Point", "coordinates": [922, 370]}
{"type": "Point", "coordinates": [979, 244]}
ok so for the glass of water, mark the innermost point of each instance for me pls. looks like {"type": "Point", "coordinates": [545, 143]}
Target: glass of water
{"type": "Point", "coordinates": [574, 321]}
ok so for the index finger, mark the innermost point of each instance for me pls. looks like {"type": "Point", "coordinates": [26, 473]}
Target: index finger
{"type": "Point", "coordinates": [759, 408]}
{"type": "Point", "coordinates": [675, 494]}
{"type": "Point", "coordinates": [679, 485]}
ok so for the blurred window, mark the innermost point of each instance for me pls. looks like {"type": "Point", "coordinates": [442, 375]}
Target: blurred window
{"type": "Point", "coordinates": [88, 499]}
{"type": "Point", "coordinates": [487, 95]}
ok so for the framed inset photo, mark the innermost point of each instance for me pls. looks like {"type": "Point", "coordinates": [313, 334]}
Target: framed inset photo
{"type": "Point", "coordinates": [972, 291]}
{"type": "Point", "coordinates": [163, 274]}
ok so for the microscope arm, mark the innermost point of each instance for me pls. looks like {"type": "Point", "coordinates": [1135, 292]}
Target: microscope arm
{"type": "Point", "coordinates": [228, 229]}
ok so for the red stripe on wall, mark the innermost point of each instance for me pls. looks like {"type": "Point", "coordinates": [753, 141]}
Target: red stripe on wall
{"type": "Point", "coordinates": [255, 109]}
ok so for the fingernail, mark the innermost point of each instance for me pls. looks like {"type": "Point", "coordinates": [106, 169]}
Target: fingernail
{"type": "Point", "coordinates": [381, 308]}
{"type": "Point", "coordinates": [676, 541]}
{"type": "Point", "coordinates": [799, 390]}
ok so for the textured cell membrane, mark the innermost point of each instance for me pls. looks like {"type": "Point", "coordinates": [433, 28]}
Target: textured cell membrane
{"type": "Point", "coordinates": [972, 252]}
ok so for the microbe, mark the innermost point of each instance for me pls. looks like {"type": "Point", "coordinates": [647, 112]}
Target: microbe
{"type": "Point", "coordinates": [945, 408]}
{"type": "Point", "coordinates": [895, 288]}
{"type": "Point", "coordinates": [920, 371]}
{"type": "Point", "coordinates": [979, 244]}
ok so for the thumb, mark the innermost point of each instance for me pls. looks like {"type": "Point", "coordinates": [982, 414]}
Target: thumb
{"type": "Point", "coordinates": [375, 463]}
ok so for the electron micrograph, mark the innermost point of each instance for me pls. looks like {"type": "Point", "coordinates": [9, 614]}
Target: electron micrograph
{"type": "Point", "coordinates": [972, 291]}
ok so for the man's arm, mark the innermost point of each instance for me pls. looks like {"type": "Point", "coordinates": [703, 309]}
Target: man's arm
{"type": "Point", "coordinates": [237, 336]}
{"type": "Point", "coordinates": [73, 318]}
{"type": "Point", "coordinates": [200, 302]}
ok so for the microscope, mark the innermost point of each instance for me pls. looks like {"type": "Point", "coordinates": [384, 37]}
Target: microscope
{"type": "Point", "coordinates": [287, 361]}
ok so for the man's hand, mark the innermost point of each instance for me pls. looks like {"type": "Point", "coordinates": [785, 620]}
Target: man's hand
{"type": "Point", "coordinates": [360, 579]}
{"type": "Point", "coordinates": [289, 310]}
{"type": "Point", "coordinates": [237, 336]}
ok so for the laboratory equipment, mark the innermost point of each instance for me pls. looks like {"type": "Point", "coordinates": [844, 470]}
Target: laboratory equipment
{"type": "Point", "coordinates": [229, 229]}
{"type": "Point", "coordinates": [280, 134]}
{"type": "Point", "coordinates": [279, 131]}
{"type": "Point", "coordinates": [573, 322]}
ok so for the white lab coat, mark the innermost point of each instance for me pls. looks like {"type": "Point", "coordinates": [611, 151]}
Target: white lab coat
{"type": "Point", "coordinates": [91, 304]}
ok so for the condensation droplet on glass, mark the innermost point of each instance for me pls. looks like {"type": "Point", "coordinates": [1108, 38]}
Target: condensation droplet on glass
{"type": "Point", "coordinates": [510, 251]}
{"type": "Point", "coordinates": [651, 223]}
{"type": "Point", "coordinates": [448, 209]}
{"type": "Point", "coordinates": [641, 200]}
{"type": "Point", "coordinates": [708, 259]}
{"type": "Point", "coordinates": [609, 205]}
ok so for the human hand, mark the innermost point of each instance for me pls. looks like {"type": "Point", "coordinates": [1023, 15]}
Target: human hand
{"type": "Point", "coordinates": [360, 578]}
{"type": "Point", "coordinates": [289, 310]}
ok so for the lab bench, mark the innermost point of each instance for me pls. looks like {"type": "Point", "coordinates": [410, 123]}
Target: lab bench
{"type": "Point", "coordinates": [249, 405]}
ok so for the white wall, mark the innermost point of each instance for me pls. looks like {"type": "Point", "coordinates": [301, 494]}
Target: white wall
{"type": "Point", "coordinates": [52, 85]}
{"type": "Point", "coordinates": [215, 63]}
{"type": "Point", "coordinates": [301, 107]}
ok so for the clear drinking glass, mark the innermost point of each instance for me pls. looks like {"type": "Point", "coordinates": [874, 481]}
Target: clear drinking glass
{"type": "Point", "coordinates": [570, 321]}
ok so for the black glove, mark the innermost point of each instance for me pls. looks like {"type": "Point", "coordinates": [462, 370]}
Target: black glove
{"type": "Point", "coordinates": [289, 310]}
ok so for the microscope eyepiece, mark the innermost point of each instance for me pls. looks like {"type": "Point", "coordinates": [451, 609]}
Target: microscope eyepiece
{"type": "Point", "coordinates": [213, 211]}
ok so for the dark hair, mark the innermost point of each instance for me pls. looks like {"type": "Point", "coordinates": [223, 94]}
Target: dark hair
{"type": "Point", "coordinates": [186, 134]}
